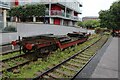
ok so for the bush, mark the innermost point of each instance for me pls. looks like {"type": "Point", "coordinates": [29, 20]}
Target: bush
{"type": "Point", "coordinates": [10, 29]}
{"type": "Point", "coordinates": [98, 30]}
{"type": "Point", "coordinates": [107, 33]}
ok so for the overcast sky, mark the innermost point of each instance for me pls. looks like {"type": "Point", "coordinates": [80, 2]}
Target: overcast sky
{"type": "Point", "coordinates": [92, 7]}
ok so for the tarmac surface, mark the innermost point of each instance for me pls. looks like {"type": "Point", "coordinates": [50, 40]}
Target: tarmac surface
{"type": "Point", "coordinates": [104, 65]}
{"type": "Point", "coordinates": [108, 65]}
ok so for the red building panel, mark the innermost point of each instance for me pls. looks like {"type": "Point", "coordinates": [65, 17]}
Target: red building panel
{"type": "Point", "coordinates": [16, 2]}
{"type": "Point", "coordinates": [57, 21]}
{"type": "Point", "coordinates": [56, 7]}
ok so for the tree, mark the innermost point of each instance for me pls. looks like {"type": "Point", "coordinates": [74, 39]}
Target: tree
{"type": "Point", "coordinates": [26, 11]}
{"type": "Point", "coordinates": [115, 12]}
{"type": "Point", "coordinates": [91, 23]}
{"type": "Point", "coordinates": [111, 18]}
{"type": "Point", "coordinates": [80, 24]}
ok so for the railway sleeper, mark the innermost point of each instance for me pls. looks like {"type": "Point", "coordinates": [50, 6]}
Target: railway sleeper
{"type": "Point", "coordinates": [84, 56]}
{"type": "Point", "coordinates": [46, 78]}
{"type": "Point", "coordinates": [54, 76]}
{"type": "Point", "coordinates": [68, 68]}
{"type": "Point", "coordinates": [73, 64]}
{"type": "Point", "coordinates": [81, 58]}
{"type": "Point", "coordinates": [21, 64]}
{"type": "Point", "coordinates": [87, 54]}
{"type": "Point", "coordinates": [63, 72]}
{"type": "Point", "coordinates": [75, 60]}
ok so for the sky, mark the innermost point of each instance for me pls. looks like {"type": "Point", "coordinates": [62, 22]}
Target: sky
{"type": "Point", "coordinates": [92, 7]}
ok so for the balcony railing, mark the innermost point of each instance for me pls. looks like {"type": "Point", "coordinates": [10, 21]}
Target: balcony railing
{"type": "Point", "coordinates": [60, 13]}
{"type": "Point", "coordinates": [4, 5]}
{"type": "Point", "coordinates": [72, 17]}
{"type": "Point", "coordinates": [75, 17]}
{"type": "Point", "coordinates": [68, 15]}
{"type": "Point", "coordinates": [56, 12]}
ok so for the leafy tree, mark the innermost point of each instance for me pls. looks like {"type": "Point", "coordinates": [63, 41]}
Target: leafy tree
{"type": "Point", "coordinates": [28, 11]}
{"type": "Point", "coordinates": [80, 24]}
{"type": "Point", "coordinates": [115, 12]}
{"type": "Point", "coordinates": [91, 23]}
{"type": "Point", "coordinates": [111, 18]}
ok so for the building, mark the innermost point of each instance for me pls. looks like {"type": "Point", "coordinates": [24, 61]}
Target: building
{"type": "Point", "coordinates": [3, 13]}
{"type": "Point", "coordinates": [90, 18]}
{"type": "Point", "coordinates": [58, 12]}
{"type": "Point", "coordinates": [14, 3]}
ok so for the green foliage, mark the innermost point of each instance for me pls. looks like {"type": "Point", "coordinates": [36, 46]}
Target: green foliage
{"type": "Point", "coordinates": [10, 55]}
{"type": "Point", "coordinates": [28, 10]}
{"type": "Point", "coordinates": [80, 24]}
{"type": "Point", "coordinates": [107, 33]}
{"type": "Point", "coordinates": [98, 30]}
{"type": "Point", "coordinates": [10, 29]}
{"type": "Point", "coordinates": [89, 23]}
{"type": "Point", "coordinates": [111, 18]}
{"type": "Point", "coordinates": [50, 61]}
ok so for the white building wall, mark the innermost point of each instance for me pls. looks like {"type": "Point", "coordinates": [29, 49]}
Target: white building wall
{"type": "Point", "coordinates": [51, 21]}
{"type": "Point", "coordinates": [72, 4]}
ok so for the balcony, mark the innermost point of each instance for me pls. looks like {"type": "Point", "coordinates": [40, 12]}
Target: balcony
{"type": "Point", "coordinates": [68, 15]}
{"type": "Point", "coordinates": [58, 13]}
{"type": "Point", "coordinates": [4, 5]}
{"type": "Point", "coordinates": [72, 17]}
{"type": "Point", "coordinates": [61, 13]}
{"type": "Point", "coordinates": [75, 17]}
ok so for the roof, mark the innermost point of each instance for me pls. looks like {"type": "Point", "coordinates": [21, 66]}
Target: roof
{"type": "Point", "coordinates": [4, 5]}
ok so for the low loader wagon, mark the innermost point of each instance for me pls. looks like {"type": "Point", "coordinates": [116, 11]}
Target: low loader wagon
{"type": "Point", "coordinates": [49, 42]}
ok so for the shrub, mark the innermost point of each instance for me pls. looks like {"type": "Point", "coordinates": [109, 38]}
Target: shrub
{"type": "Point", "coordinates": [98, 30]}
{"type": "Point", "coordinates": [106, 33]}
{"type": "Point", "coordinates": [10, 29]}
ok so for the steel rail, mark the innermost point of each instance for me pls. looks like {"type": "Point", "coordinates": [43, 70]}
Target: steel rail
{"type": "Point", "coordinates": [27, 62]}
{"type": "Point", "coordinates": [21, 55]}
{"type": "Point", "coordinates": [11, 51]}
{"type": "Point", "coordinates": [88, 61]}
{"type": "Point", "coordinates": [49, 70]}
{"type": "Point", "coordinates": [21, 64]}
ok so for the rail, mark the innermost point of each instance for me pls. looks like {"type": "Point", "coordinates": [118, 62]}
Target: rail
{"type": "Point", "coordinates": [64, 61]}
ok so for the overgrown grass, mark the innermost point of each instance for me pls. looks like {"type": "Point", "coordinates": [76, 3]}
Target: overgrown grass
{"type": "Point", "coordinates": [2, 57]}
{"type": "Point", "coordinates": [29, 71]}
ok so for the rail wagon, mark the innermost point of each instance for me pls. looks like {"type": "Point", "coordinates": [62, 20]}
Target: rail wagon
{"type": "Point", "coordinates": [49, 42]}
{"type": "Point", "coordinates": [116, 33]}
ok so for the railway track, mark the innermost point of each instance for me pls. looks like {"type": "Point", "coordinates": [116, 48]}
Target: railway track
{"type": "Point", "coordinates": [15, 60]}
{"type": "Point", "coordinates": [6, 49]}
{"type": "Point", "coordinates": [11, 54]}
{"type": "Point", "coordinates": [70, 67]}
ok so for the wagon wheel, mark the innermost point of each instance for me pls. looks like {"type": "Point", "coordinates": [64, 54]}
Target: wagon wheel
{"type": "Point", "coordinates": [53, 48]}
{"type": "Point", "coordinates": [25, 50]}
